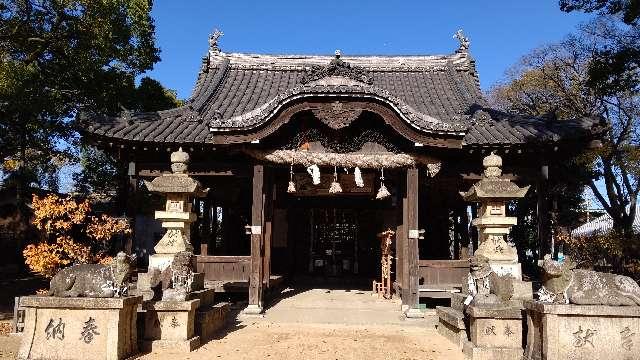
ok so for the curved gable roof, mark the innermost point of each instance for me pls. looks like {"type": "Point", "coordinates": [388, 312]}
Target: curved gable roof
{"type": "Point", "coordinates": [237, 93]}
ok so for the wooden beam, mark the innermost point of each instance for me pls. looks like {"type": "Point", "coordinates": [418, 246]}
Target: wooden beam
{"type": "Point", "coordinates": [412, 245]}
{"type": "Point", "coordinates": [257, 212]}
{"type": "Point", "coordinates": [156, 173]}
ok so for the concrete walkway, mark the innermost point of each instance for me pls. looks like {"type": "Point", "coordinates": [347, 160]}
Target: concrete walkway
{"type": "Point", "coordinates": [346, 307]}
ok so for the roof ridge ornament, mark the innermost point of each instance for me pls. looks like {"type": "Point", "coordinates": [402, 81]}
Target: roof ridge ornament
{"type": "Point", "coordinates": [337, 67]}
{"type": "Point", "coordinates": [464, 41]}
{"type": "Point", "coordinates": [214, 49]}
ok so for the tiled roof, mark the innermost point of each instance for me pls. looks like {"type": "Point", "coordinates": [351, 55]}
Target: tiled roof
{"type": "Point", "coordinates": [602, 225]}
{"type": "Point", "coordinates": [239, 92]}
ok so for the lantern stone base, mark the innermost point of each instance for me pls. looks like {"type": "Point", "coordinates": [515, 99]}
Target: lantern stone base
{"type": "Point", "coordinates": [79, 328]}
{"type": "Point", "coordinates": [587, 332]}
{"type": "Point", "coordinates": [495, 332]}
{"type": "Point", "coordinates": [169, 325]}
{"type": "Point", "coordinates": [507, 268]}
{"type": "Point", "coordinates": [160, 261]}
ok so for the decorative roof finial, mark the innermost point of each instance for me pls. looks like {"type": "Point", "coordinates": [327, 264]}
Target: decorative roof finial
{"type": "Point", "coordinates": [464, 41]}
{"type": "Point", "coordinates": [492, 165]}
{"type": "Point", "coordinates": [179, 161]}
{"type": "Point", "coordinates": [338, 53]}
{"type": "Point", "coordinates": [213, 41]}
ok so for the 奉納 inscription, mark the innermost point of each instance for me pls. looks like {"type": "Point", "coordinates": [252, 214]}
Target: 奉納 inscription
{"type": "Point", "coordinates": [174, 322]}
{"type": "Point", "coordinates": [55, 331]}
{"type": "Point", "coordinates": [627, 338]}
{"type": "Point", "coordinates": [583, 337]}
{"type": "Point", "coordinates": [89, 330]}
{"type": "Point", "coordinates": [490, 330]}
{"type": "Point", "coordinates": [507, 331]}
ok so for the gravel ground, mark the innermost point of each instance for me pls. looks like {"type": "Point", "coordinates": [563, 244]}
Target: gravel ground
{"type": "Point", "coordinates": [262, 340]}
{"type": "Point", "coordinates": [9, 346]}
{"type": "Point", "coordinates": [314, 324]}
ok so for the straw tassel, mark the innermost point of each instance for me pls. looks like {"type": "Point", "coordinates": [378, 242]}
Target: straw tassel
{"type": "Point", "coordinates": [383, 193]}
{"type": "Point", "coordinates": [292, 185]}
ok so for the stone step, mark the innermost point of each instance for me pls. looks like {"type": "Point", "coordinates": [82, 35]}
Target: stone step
{"type": "Point", "coordinates": [210, 319]}
{"type": "Point", "coordinates": [451, 316]}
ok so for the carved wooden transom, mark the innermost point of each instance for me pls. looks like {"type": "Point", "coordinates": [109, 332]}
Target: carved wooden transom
{"type": "Point", "coordinates": [337, 115]}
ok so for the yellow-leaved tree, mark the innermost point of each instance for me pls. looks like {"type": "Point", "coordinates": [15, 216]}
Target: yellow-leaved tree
{"type": "Point", "coordinates": [70, 234]}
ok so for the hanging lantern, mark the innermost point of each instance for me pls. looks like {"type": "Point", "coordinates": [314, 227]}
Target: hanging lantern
{"type": "Point", "coordinates": [383, 193]}
{"type": "Point", "coordinates": [335, 185]}
{"type": "Point", "coordinates": [292, 185]}
{"type": "Point", "coordinates": [358, 177]}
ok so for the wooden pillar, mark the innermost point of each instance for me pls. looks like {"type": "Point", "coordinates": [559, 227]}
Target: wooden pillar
{"type": "Point", "coordinates": [205, 227]}
{"type": "Point", "coordinates": [268, 229]}
{"type": "Point", "coordinates": [404, 250]}
{"type": "Point", "coordinates": [464, 233]}
{"type": "Point", "coordinates": [400, 240]}
{"type": "Point", "coordinates": [256, 230]}
{"type": "Point", "coordinates": [132, 188]}
{"type": "Point", "coordinates": [215, 230]}
{"type": "Point", "coordinates": [412, 238]}
{"type": "Point", "coordinates": [542, 209]}
{"type": "Point", "coordinates": [474, 230]}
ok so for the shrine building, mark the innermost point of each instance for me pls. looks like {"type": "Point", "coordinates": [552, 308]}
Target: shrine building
{"type": "Point", "coordinates": [309, 158]}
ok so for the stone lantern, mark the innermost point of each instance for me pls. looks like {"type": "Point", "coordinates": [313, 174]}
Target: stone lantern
{"type": "Point", "coordinates": [176, 216]}
{"type": "Point", "coordinates": [493, 192]}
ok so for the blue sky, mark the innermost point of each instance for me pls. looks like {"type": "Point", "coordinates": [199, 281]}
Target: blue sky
{"type": "Point", "coordinates": [500, 31]}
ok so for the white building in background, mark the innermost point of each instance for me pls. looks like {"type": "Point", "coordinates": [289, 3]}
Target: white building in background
{"type": "Point", "coordinates": [601, 225]}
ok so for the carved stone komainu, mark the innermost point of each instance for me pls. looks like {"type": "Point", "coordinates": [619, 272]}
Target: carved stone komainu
{"type": "Point", "coordinates": [182, 271]}
{"type": "Point", "coordinates": [93, 280]}
{"type": "Point", "coordinates": [564, 284]}
{"type": "Point", "coordinates": [479, 281]}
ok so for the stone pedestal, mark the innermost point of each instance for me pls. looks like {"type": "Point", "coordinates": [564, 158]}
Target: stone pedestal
{"type": "Point", "coordinates": [585, 332]}
{"type": "Point", "coordinates": [170, 325]}
{"type": "Point", "coordinates": [79, 328]}
{"type": "Point", "coordinates": [414, 313]}
{"type": "Point", "coordinates": [494, 332]}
